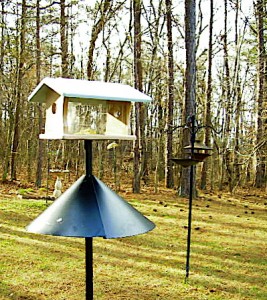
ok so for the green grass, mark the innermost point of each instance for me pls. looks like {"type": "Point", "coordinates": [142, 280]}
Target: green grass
{"type": "Point", "coordinates": [25, 191]}
{"type": "Point", "coordinates": [228, 253]}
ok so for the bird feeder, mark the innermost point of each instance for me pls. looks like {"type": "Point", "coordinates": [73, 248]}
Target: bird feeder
{"type": "Point", "coordinates": [199, 151]}
{"type": "Point", "coordinates": [88, 110]}
{"type": "Point", "coordinates": [81, 109]}
{"type": "Point", "coordinates": [195, 152]}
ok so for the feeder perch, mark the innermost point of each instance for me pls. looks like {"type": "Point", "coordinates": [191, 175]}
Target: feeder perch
{"type": "Point", "coordinates": [81, 109]}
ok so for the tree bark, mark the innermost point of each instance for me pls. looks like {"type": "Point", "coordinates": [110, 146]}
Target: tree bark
{"type": "Point", "coordinates": [21, 58]}
{"type": "Point", "coordinates": [261, 97]}
{"type": "Point", "coordinates": [139, 108]}
{"type": "Point", "coordinates": [2, 53]}
{"type": "Point", "coordinates": [206, 166]}
{"type": "Point", "coordinates": [238, 98]}
{"type": "Point", "coordinates": [97, 27]}
{"type": "Point", "coordinates": [190, 83]}
{"type": "Point", "coordinates": [227, 163]}
{"type": "Point", "coordinates": [168, 163]}
{"type": "Point", "coordinates": [40, 147]}
{"type": "Point", "coordinates": [63, 40]}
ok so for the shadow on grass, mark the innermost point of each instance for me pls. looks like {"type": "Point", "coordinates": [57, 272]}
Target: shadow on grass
{"type": "Point", "coordinates": [14, 293]}
{"type": "Point", "coordinates": [150, 266]}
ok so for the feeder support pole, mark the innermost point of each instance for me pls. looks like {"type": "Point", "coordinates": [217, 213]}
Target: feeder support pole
{"type": "Point", "coordinates": [191, 184]}
{"type": "Point", "coordinates": [89, 291]}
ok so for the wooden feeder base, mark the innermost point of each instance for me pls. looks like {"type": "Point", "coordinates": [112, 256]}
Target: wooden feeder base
{"type": "Point", "coordinates": [87, 137]}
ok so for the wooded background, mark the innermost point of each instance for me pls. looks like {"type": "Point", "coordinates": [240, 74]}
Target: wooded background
{"type": "Point", "coordinates": [144, 44]}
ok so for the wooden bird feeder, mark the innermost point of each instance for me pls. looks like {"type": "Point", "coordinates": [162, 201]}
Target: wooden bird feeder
{"type": "Point", "coordinates": [86, 110]}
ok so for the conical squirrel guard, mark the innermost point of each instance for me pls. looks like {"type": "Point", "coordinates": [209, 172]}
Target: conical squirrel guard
{"type": "Point", "coordinates": [90, 209]}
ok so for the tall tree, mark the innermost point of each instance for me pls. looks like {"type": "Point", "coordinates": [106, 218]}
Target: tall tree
{"type": "Point", "coordinates": [139, 145]}
{"type": "Point", "coordinates": [261, 97]}
{"type": "Point", "coordinates": [190, 81]}
{"type": "Point", "coordinates": [40, 147]}
{"type": "Point", "coordinates": [8, 69]}
{"type": "Point", "coordinates": [104, 8]}
{"type": "Point", "coordinates": [63, 40]}
{"type": "Point", "coordinates": [18, 88]}
{"type": "Point", "coordinates": [2, 47]}
{"type": "Point", "coordinates": [170, 101]}
{"type": "Point", "coordinates": [2, 43]}
{"type": "Point", "coordinates": [228, 112]}
{"type": "Point", "coordinates": [237, 94]}
{"type": "Point", "coordinates": [205, 166]}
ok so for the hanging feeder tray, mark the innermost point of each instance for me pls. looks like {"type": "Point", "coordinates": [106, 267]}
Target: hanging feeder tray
{"type": "Point", "coordinates": [200, 156]}
{"type": "Point", "coordinates": [185, 162]}
{"type": "Point", "coordinates": [198, 146]}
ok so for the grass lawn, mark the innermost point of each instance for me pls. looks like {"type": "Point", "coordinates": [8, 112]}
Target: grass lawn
{"type": "Point", "coordinates": [228, 253]}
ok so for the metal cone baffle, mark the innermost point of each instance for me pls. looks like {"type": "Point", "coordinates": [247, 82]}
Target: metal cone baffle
{"type": "Point", "coordinates": [90, 209]}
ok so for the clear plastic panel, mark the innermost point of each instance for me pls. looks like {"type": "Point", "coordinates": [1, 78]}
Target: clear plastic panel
{"type": "Point", "coordinates": [86, 118]}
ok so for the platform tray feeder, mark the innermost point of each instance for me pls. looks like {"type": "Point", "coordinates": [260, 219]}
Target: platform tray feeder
{"type": "Point", "coordinates": [198, 155]}
{"type": "Point", "coordinates": [88, 110]}
{"type": "Point", "coordinates": [83, 110]}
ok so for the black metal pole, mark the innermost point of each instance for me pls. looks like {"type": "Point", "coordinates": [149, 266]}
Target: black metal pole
{"type": "Point", "coordinates": [189, 221]}
{"type": "Point", "coordinates": [191, 184]}
{"type": "Point", "coordinates": [89, 287]}
{"type": "Point", "coordinates": [88, 157]}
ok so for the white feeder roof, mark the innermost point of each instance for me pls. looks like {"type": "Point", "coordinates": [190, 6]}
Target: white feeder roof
{"type": "Point", "coordinates": [78, 88]}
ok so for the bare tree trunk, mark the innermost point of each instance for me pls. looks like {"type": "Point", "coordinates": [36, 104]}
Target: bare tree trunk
{"type": "Point", "coordinates": [2, 42]}
{"type": "Point", "coordinates": [168, 163]}
{"type": "Point", "coordinates": [140, 151]}
{"type": "Point", "coordinates": [159, 145]}
{"type": "Point", "coordinates": [97, 27]}
{"type": "Point", "coordinates": [2, 53]}
{"type": "Point", "coordinates": [206, 163]}
{"type": "Point", "coordinates": [190, 82]}
{"type": "Point", "coordinates": [238, 97]}
{"type": "Point", "coordinates": [40, 149]}
{"type": "Point", "coordinates": [260, 169]}
{"type": "Point", "coordinates": [63, 40]}
{"type": "Point", "coordinates": [227, 162]}
{"type": "Point", "coordinates": [138, 106]}
{"type": "Point", "coordinates": [16, 136]}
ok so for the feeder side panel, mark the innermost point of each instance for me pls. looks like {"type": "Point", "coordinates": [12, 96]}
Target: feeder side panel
{"type": "Point", "coordinates": [54, 117]}
{"type": "Point", "coordinates": [65, 114]}
{"type": "Point", "coordinates": [118, 117]}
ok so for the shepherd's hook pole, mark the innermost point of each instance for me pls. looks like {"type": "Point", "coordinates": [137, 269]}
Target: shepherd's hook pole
{"type": "Point", "coordinates": [89, 291]}
{"type": "Point", "coordinates": [191, 184]}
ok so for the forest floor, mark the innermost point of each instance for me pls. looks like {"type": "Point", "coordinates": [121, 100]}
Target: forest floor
{"type": "Point", "coordinates": [228, 250]}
